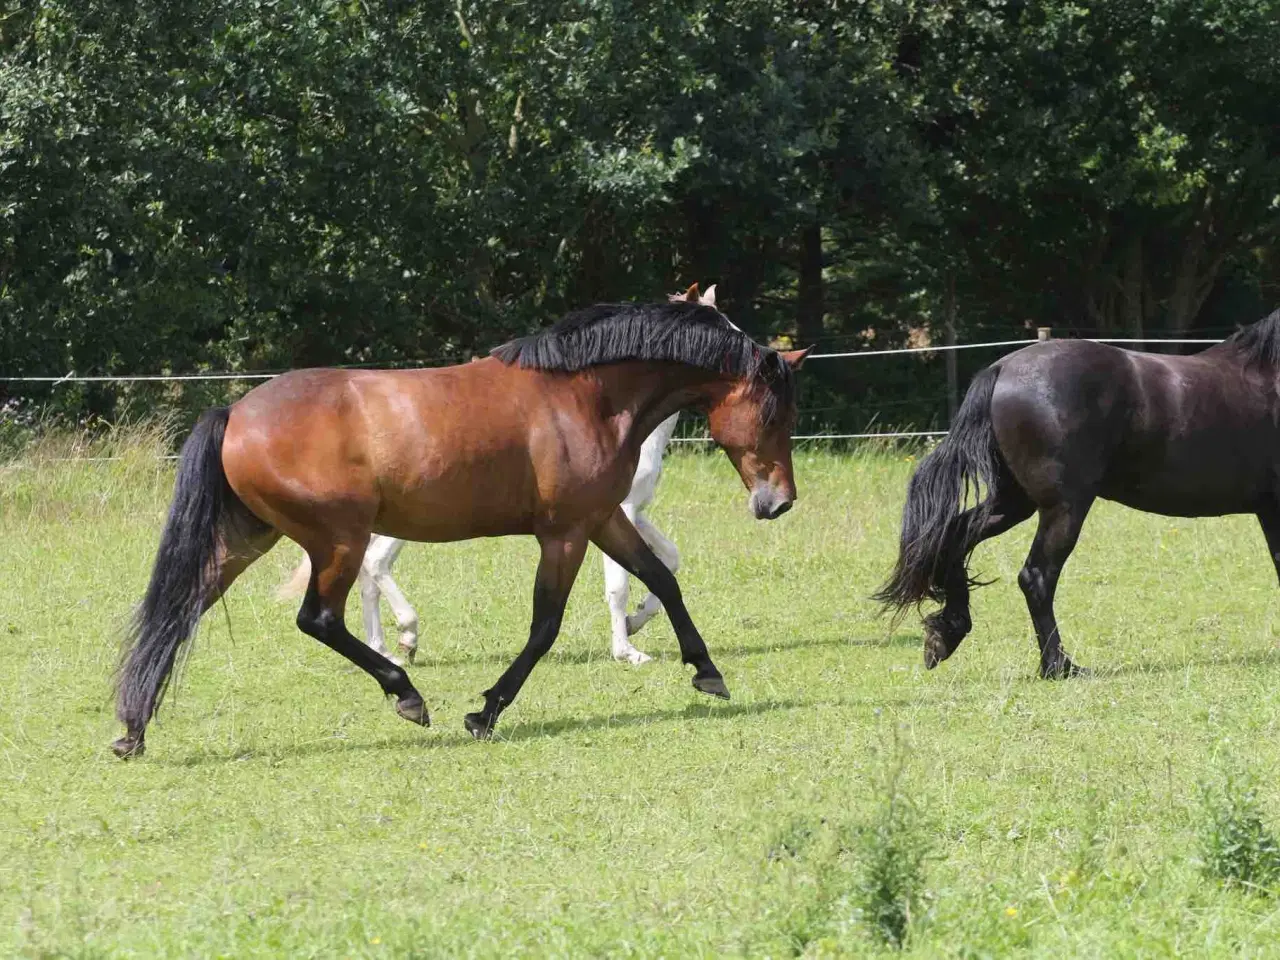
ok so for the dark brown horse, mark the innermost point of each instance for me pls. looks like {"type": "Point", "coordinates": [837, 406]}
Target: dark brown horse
{"type": "Point", "coordinates": [1054, 426]}
{"type": "Point", "coordinates": [540, 438]}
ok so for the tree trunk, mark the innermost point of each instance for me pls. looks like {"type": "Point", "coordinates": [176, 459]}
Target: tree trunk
{"type": "Point", "coordinates": [744, 273]}
{"type": "Point", "coordinates": [1132, 286]}
{"type": "Point", "coordinates": [953, 376]}
{"type": "Point", "coordinates": [810, 307]}
{"type": "Point", "coordinates": [1197, 272]}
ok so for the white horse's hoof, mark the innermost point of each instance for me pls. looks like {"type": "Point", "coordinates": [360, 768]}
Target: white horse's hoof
{"type": "Point", "coordinates": [631, 655]}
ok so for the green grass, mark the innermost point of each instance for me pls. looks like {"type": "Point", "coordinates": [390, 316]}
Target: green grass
{"type": "Point", "coordinates": [284, 810]}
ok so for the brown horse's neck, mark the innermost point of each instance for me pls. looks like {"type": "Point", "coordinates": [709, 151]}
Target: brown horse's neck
{"type": "Point", "coordinates": [639, 396]}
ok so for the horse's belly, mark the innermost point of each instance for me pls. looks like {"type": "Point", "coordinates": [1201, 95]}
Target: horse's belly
{"type": "Point", "coordinates": [1172, 497]}
{"type": "Point", "coordinates": [435, 529]}
{"type": "Point", "coordinates": [460, 517]}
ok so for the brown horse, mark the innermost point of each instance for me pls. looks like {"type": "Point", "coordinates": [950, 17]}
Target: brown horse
{"type": "Point", "coordinates": [540, 438]}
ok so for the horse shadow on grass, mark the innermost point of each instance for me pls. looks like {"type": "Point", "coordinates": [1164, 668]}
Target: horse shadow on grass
{"type": "Point", "coordinates": [410, 740]}
{"type": "Point", "coordinates": [517, 732]}
{"type": "Point", "coordinates": [1269, 657]}
{"type": "Point", "coordinates": [586, 656]}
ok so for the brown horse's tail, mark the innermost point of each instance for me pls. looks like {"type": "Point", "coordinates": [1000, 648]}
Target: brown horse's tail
{"type": "Point", "coordinates": [966, 464]}
{"type": "Point", "coordinates": [184, 579]}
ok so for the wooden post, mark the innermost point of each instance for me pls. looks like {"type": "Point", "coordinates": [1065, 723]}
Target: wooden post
{"type": "Point", "coordinates": [1044, 333]}
{"type": "Point", "coordinates": [953, 377]}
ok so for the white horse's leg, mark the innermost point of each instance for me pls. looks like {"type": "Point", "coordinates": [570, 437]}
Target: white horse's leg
{"type": "Point", "coordinates": [378, 561]}
{"type": "Point", "coordinates": [616, 591]}
{"type": "Point", "coordinates": [667, 552]}
{"type": "Point", "coordinates": [370, 614]}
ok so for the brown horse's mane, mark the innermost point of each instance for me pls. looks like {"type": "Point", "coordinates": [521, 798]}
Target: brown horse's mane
{"type": "Point", "coordinates": [675, 332]}
{"type": "Point", "coordinates": [1259, 343]}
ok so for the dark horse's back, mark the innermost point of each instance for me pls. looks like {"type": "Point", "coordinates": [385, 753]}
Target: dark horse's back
{"type": "Point", "coordinates": [1182, 436]}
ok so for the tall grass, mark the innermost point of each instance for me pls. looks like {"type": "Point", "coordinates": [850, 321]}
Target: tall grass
{"type": "Point", "coordinates": [1237, 847]}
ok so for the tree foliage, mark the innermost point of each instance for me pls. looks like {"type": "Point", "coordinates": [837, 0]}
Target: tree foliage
{"type": "Point", "coordinates": [254, 185]}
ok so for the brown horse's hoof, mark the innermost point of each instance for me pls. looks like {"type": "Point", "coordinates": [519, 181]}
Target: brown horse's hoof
{"type": "Point", "coordinates": [413, 709]}
{"type": "Point", "coordinates": [478, 726]}
{"type": "Point", "coordinates": [713, 686]}
{"type": "Point", "coordinates": [127, 747]}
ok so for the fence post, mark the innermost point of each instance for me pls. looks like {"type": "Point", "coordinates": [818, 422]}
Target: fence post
{"type": "Point", "coordinates": [953, 377]}
{"type": "Point", "coordinates": [1044, 333]}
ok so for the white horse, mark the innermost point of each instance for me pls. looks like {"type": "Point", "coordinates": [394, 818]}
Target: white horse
{"type": "Point", "coordinates": [375, 571]}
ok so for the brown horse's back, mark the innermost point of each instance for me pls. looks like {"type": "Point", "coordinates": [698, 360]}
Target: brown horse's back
{"type": "Point", "coordinates": [434, 455]}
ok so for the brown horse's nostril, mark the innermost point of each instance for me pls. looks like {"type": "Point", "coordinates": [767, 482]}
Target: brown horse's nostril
{"type": "Point", "coordinates": [780, 509]}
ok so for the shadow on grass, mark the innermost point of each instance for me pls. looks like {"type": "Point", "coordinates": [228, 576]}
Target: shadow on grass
{"type": "Point", "coordinates": [709, 710]}
{"type": "Point", "coordinates": [726, 651]}
{"type": "Point", "coordinates": [1254, 658]}
{"type": "Point", "coordinates": [516, 732]}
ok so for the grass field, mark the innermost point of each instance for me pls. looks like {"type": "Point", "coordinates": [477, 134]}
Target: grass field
{"type": "Point", "coordinates": [284, 810]}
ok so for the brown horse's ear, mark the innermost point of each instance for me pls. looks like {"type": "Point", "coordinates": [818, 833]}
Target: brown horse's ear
{"type": "Point", "coordinates": [795, 358]}
{"type": "Point", "coordinates": [691, 295]}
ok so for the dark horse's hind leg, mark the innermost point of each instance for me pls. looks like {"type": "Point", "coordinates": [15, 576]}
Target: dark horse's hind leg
{"type": "Point", "coordinates": [557, 569]}
{"type": "Point", "coordinates": [944, 629]}
{"type": "Point", "coordinates": [619, 539]}
{"type": "Point", "coordinates": [1269, 517]}
{"type": "Point", "coordinates": [333, 572]}
{"type": "Point", "coordinates": [1055, 539]}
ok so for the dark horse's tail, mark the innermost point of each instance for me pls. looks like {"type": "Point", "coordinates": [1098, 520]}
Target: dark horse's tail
{"type": "Point", "coordinates": [183, 580]}
{"type": "Point", "coordinates": [966, 463]}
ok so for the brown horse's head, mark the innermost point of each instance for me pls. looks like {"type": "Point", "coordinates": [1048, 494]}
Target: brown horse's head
{"type": "Point", "coordinates": [752, 419]}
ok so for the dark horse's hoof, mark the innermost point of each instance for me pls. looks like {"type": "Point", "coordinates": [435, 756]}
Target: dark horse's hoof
{"type": "Point", "coordinates": [413, 709]}
{"type": "Point", "coordinates": [942, 634]}
{"type": "Point", "coordinates": [1063, 670]}
{"type": "Point", "coordinates": [935, 648]}
{"type": "Point", "coordinates": [714, 686]}
{"type": "Point", "coordinates": [128, 747]}
{"type": "Point", "coordinates": [478, 726]}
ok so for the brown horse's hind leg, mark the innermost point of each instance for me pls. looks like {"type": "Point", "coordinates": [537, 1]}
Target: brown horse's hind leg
{"type": "Point", "coordinates": [1055, 539]}
{"type": "Point", "coordinates": [944, 629]}
{"type": "Point", "coordinates": [619, 539]}
{"type": "Point", "coordinates": [557, 569]}
{"type": "Point", "coordinates": [334, 570]}
{"type": "Point", "coordinates": [242, 539]}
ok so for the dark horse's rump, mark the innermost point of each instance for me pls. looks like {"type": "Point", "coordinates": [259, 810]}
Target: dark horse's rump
{"type": "Point", "coordinates": [1051, 428]}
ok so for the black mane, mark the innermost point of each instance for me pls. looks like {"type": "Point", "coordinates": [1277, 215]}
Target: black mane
{"type": "Point", "coordinates": [679, 332]}
{"type": "Point", "coordinates": [1259, 343]}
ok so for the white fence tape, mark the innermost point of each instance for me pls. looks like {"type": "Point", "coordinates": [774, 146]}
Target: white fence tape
{"type": "Point", "coordinates": [901, 435]}
{"type": "Point", "coordinates": [72, 378]}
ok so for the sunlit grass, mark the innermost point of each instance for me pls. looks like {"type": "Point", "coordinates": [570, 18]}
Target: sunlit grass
{"type": "Point", "coordinates": [284, 810]}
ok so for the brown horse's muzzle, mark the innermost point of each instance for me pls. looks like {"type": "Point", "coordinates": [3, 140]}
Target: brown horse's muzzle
{"type": "Point", "coordinates": [769, 502]}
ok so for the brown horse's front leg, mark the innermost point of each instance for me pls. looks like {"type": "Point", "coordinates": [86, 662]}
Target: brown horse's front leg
{"type": "Point", "coordinates": [619, 539]}
{"type": "Point", "coordinates": [557, 569]}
